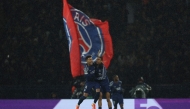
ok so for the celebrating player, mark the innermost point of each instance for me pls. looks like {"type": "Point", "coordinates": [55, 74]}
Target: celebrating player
{"type": "Point", "coordinates": [116, 92]}
{"type": "Point", "coordinates": [103, 81]}
{"type": "Point", "coordinates": [89, 72]}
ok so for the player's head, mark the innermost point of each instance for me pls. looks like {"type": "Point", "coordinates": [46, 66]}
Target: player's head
{"type": "Point", "coordinates": [82, 83]}
{"type": "Point", "coordinates": [89, 60]}
{"type": "Point", "coordinates": [99, 60]}
{"type": "Point", "coordinates": [140, 79]}
{"type": "Point", "coordinates": [115, 78]}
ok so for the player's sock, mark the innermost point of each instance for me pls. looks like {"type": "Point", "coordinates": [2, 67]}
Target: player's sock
{"type": "Point", "coordinates": [100, 108]}
{"type": "Point", "coordinates": [110, 107]}
{"type": "Point", "coordinates": [81, 99]}
{"type": "Point", "coordinates": [96, 97]}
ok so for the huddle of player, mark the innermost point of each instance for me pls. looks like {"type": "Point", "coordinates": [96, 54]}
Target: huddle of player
{"type": "Point", "coordinates": [96, 78]}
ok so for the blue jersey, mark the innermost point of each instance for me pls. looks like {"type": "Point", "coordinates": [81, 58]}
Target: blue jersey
{"type": "Point", "coordinates": [116, 92]}
{"type": "Point", "coordinates": [100, 72]}
{"type": "Point", "coordinates": [101, 77]}
{"type": "Point", "coordinates": [116, 87]}
{"type": "Point", "coordinates": [89, 72]}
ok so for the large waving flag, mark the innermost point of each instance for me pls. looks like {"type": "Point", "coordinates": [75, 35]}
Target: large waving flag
{"type": "Point", "coordinates": [85, 37]}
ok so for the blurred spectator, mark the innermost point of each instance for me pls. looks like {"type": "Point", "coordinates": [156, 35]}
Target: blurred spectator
{"type": "Point", "coordinates": [78, 92]}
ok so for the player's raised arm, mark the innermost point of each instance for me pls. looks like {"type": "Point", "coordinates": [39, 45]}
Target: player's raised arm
{"type": "Point", "coordinates": [99, 54]}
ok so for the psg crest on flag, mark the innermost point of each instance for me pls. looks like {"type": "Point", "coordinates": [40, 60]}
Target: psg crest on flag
{"type": "Point", "coordinates": [85, 36]}
{"type": "Point", "coordinates": [86, 29]}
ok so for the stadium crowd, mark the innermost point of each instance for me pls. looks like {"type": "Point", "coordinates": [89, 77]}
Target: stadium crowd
{"type": "Point", "coordinates": [34, 50]}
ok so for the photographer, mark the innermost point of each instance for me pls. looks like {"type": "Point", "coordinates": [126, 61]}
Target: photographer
{"type": "Point", "coordinates": [141, 90]}
{"type": "Point", "coordinates": [78, 92]}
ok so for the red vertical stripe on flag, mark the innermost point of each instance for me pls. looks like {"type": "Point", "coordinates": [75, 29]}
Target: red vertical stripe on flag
{"type": "Point", "coordinates": [107, 40]}
{"type": "Point", "coordinates": [75, 60]}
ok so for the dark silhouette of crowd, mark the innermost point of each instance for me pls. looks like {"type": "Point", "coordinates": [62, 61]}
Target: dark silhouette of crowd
{"type": "Point", "coordinates": [156, 45]}
{"type": "Point", "coordinates": [34, 49]}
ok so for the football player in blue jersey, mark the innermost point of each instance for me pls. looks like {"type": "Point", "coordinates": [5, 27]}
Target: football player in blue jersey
{"type": "Point", "coordinates": [102, 79]}
{"type": "Point", "coordinates": [89, 73]}
{"type": "Point", "coordinates": [116, 92]}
